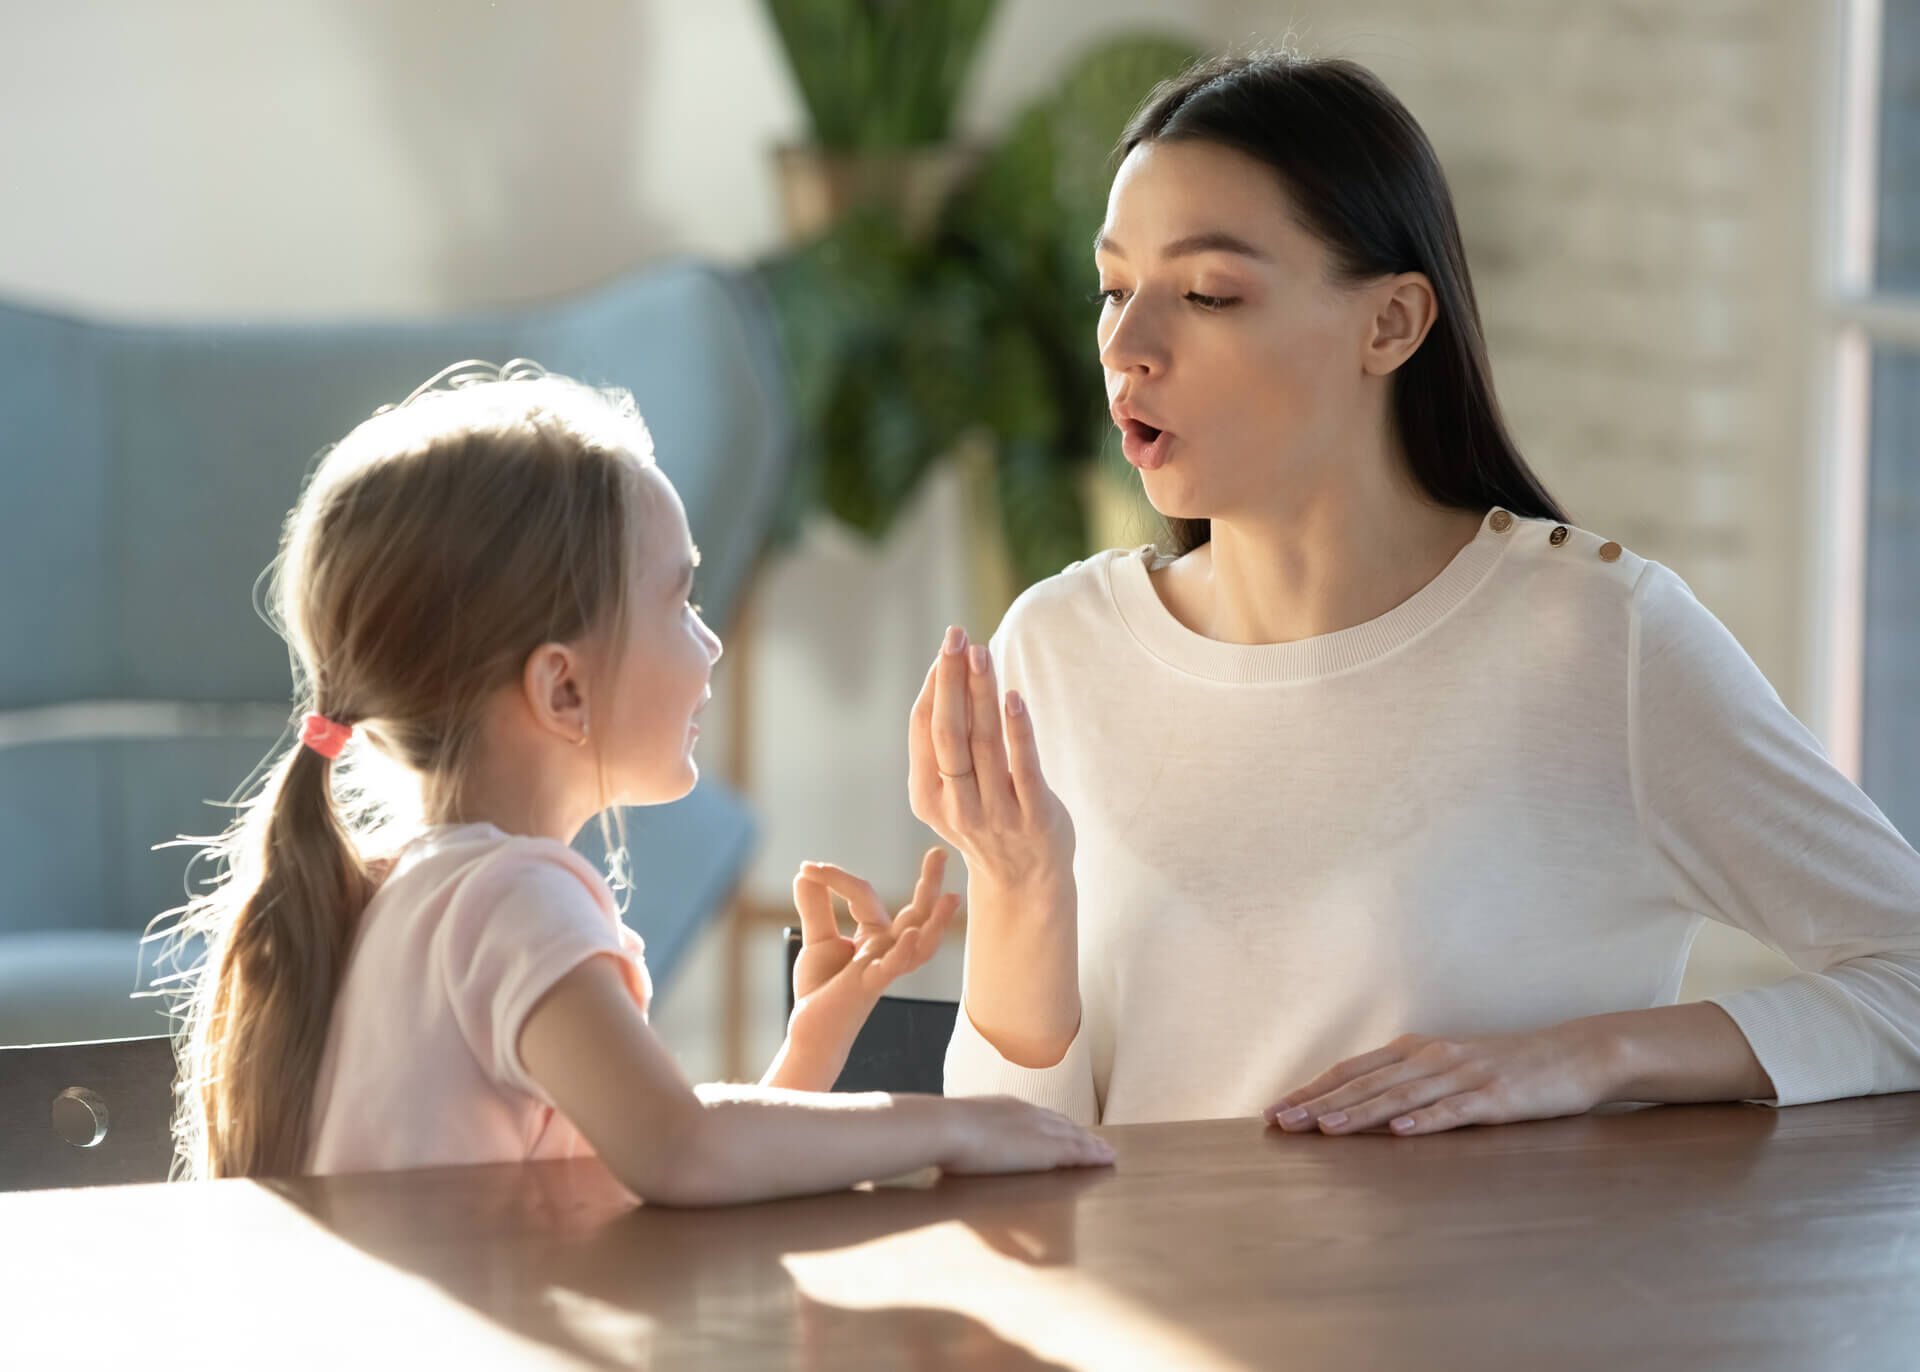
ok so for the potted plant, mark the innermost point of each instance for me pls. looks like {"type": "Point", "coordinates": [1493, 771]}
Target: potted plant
{"type": "Point", "coordinates": [880, 80]}
{"type": "Point", "coordinates": [906, 337]}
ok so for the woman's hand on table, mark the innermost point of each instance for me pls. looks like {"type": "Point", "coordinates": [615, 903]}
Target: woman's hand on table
{"type": "Point", "coordinates": [1423, 1085]}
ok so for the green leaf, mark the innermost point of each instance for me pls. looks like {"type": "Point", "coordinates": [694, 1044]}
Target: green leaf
{"type": "Point", "coordinates": [1040, 511]}
{"type": "Point", "coordinates": [1095, 100]}
{"type": "Point", "coordinates": [880, 75]}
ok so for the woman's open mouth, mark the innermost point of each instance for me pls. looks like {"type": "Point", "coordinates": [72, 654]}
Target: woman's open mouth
{"type": "Point", "coordinates": [1145, 446]}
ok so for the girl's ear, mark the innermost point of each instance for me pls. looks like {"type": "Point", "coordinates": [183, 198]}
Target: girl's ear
{"type": "Point", "coordinates": [1404, 312]}
{"type": "Point", "coordinates": [552, 682]}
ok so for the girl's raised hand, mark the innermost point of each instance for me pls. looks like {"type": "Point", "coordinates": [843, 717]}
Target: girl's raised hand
{"type": "Point", "coordinates": [975, 776]}
{"type": "Point", "coordinates": [836, 979]}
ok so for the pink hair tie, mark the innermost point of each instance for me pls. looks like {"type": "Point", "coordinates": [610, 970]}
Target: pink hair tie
{"type": "Point", "coordinates": [324, 736]}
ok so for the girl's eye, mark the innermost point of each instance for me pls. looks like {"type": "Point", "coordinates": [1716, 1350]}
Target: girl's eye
{"type": "Point", "coordinates": [1106, 297]}
{"type": "Point", "coordinates": [693, 607]}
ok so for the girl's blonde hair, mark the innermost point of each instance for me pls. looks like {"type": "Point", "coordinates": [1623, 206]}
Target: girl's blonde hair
{"type": "Point", "coordinates": [433, 548]}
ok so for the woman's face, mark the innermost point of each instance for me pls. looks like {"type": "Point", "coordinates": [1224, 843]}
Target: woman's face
{"type": "Point", "coordinates": [1223, 330]}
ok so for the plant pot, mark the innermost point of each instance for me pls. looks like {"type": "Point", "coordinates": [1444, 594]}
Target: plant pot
{"type": "Point", "coordinates": [818, 185]}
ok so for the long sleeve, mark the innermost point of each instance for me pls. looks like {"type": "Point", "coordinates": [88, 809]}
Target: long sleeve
{"type": "Point", "coordinates": [974, 1067]}
{"type": "Point", "coordinates": [1756, 828]}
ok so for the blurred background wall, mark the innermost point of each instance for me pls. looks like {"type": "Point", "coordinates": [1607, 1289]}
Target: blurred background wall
{"type": "Point", "coordinates": [1645, 189]}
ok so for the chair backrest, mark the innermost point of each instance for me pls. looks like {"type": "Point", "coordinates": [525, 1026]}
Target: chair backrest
{"type": "Point", "coordinates": [901, 1047]}
{"type": "Point", "coordinates": [151, 468]}
{"type": "Point", "coordinates": [86, 1114]}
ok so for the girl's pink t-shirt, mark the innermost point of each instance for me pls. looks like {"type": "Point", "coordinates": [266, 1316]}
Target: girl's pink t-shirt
{"type": "Point", "coordinates": [422, 1067]}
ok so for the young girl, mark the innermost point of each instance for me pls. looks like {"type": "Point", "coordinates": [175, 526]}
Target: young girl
{"type": "Point", "coordinates": [407, 965]}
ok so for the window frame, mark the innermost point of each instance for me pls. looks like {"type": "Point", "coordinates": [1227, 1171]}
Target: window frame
{"type": "Point", "coordinates": [1855, 318]}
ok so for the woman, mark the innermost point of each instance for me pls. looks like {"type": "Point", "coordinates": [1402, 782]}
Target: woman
{"type": "Point", "coordinates": [1396, 800]}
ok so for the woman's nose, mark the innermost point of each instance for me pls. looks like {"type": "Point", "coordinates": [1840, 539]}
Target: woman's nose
{"type": "Point", "coordinates": [1130, 346]}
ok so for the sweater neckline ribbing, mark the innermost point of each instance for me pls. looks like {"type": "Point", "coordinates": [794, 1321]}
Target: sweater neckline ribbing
{"type": "Point", "coordinates": [1153, 625]}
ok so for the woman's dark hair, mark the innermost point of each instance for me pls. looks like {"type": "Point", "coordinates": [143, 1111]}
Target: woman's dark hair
{"type": "Point", "coordinates": [1365, 180]}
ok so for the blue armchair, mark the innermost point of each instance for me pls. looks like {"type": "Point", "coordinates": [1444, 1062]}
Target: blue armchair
{"type": "Point", "coordinates": [144, 473]}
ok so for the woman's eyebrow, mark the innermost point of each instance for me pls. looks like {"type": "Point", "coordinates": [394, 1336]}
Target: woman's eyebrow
{"type": "Point", "coordinates": [685, 578]}
{"type": "Point", "coordinates": [1214, 240]}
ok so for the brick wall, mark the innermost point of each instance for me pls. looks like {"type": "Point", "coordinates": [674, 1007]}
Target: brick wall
{"type": "Point", "coordinates": [1636, 183]}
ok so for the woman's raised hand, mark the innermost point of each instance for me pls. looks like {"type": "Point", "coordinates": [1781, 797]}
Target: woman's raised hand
{"type": "Point", "coordinates": [975, 776]}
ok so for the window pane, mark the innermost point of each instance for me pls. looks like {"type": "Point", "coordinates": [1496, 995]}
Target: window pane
{"type": "Point", "coordinates": [1897, 240]}
{"type": "Point", "coordinates": [1890, 735]}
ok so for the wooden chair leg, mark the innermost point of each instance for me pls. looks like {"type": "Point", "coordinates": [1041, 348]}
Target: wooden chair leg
{"type": "Point", "coordinates": [752, 929]}
{"type": "Point", "coordinates": [734, 1009]}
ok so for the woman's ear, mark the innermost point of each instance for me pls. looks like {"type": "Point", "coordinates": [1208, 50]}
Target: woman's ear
{"type": "Point", "coordinates": [1404, 311]}
{"type": "Point", "coordinates": [552, 683]}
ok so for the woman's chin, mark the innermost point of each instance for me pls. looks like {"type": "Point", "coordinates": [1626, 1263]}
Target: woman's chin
{"type": "Point", "coordinates": [1173, 499]}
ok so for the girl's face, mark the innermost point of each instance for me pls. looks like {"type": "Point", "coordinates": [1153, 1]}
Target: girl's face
{"type": "Point", "coordinates": [1232, 356]}
{"type": "Point", "coordinates": [664, 666]}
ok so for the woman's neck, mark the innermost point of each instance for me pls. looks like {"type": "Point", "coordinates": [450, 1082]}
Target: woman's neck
{"type": "Point", "coordinates": [1314, 568]}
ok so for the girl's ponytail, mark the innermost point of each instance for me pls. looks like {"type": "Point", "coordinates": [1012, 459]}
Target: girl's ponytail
{"type": "Point", "coordinates": [296, 887]}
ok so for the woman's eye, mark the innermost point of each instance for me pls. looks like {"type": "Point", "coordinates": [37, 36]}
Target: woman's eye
{"type": "Point", "coordinates": [691, 606]}
{"type": "Point", "coordinates": [1116, 295]}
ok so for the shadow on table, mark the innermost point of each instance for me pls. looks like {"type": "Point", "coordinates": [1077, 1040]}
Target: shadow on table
{"type": "Point", "coordinates": [561, 1254]}
{"type": "Point", "coordinates": [1214, 1244]}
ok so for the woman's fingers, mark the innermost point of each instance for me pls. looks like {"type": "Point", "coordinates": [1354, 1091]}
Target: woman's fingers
{"type": "Point", "coordinates": [1334, 1078]}
{"type": "Point", "coordinates": [985, 743]}
{"type": "Point", "coordinates": [1393, 1102]}
{"type": "Point", "coordinates": [953, 754]}
{"type": "Point", "coordinates": [923, 770]}
{"type": "Point", "coordinates": [860, 896]}
{"type": "Point", "coordinates": [1023, 755]}
{"type": "Point", "coordinates": [1469, 1107]}
{"type": "Point", "coordinates": [1334, 1108]}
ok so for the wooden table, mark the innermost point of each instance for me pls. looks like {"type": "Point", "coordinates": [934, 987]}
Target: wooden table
{"type": "Point", "coordinates": [1700, 1236]}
